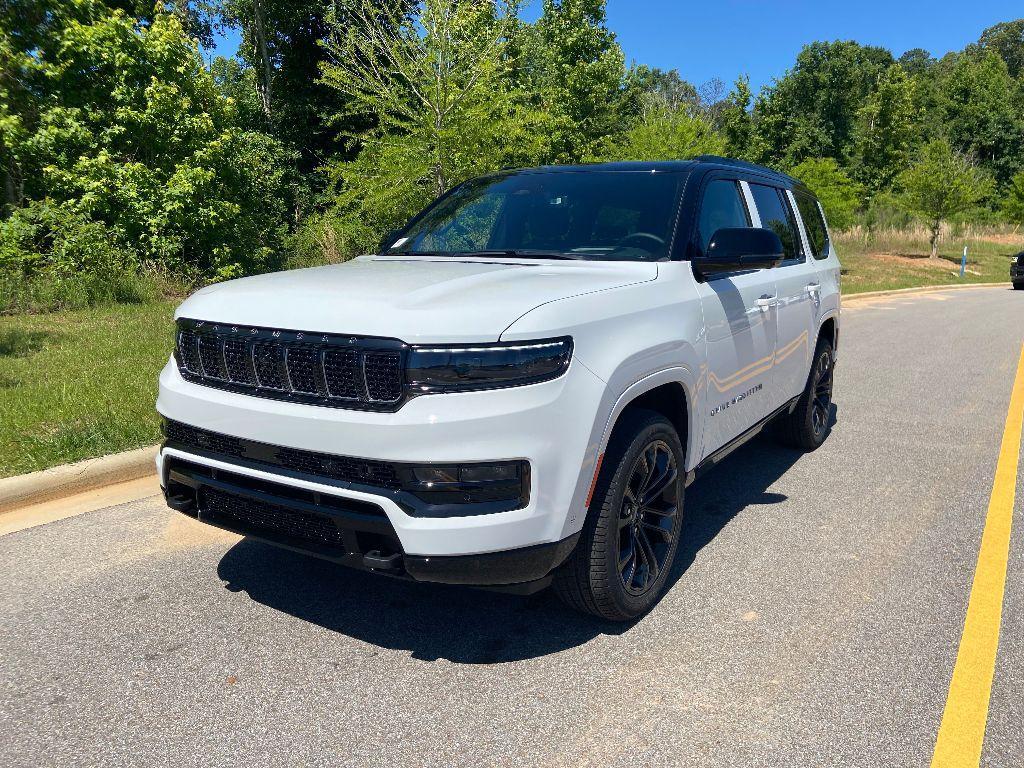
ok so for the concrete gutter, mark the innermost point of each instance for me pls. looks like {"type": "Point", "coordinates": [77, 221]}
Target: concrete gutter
{"type": "Point", "coordinates": [69, 479]}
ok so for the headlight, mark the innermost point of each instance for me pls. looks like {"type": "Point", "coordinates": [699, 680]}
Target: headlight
{"type": "Point", "coordinates": [486, 366]}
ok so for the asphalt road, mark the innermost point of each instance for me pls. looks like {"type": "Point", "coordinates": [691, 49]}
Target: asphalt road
{"type": "Point", "coordinates": [814, 617]}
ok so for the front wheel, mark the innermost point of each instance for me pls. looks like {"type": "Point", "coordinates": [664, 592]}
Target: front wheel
{"type": "Point", "coordinates": [623, 559]}
{"type": "Point", "coordinates": [808, 425]}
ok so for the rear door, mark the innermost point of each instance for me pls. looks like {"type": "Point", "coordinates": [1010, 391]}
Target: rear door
{"type": "Point", "coordinates": [798, 289]}
{"type": "Point", "coordinates": [738, 319]}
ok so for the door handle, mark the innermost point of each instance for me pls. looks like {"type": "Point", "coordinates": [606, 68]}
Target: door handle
{"type": "Point", "coordinates": [764, 302]}
{"type": "Point", "coordinates": [813, 288]}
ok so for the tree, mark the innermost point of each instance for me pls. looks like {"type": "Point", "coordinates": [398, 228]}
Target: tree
{"type": "Point", "coordinates": [436, 86]}
{"type": "Point", "coordinates": [812, 110]}
{"type": "Point", "coordinates": [838, 193]}
{"type": "Point", "coordinates": [735, 121]}
{"type": "Point", "coordinates": [980, 115]}
{"type": "Point", "coordinates": [663, 134]}
{"type": "Point", "coordinates": [942, 184]}
{"type": "Point", "coordinates": [1013, 201]}
{"type": "Point", "coordinates": [578, 71]}
{"type": "Point", "coordinates": [124, 131]}
{"type": "Point", "coordinates": [886, 129]}
{"type": "Point", "coordinates": [1007, 40]}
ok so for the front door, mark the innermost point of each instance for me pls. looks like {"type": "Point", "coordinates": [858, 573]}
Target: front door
{"type": "Point", "coordinates": [739, 325]}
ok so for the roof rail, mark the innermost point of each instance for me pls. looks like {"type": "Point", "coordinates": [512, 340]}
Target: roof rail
{"type": "Point", "coordinates": [741, 164]}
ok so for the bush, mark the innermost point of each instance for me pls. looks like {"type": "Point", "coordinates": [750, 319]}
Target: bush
{"type": "Point", "coordinates": [838, 193]}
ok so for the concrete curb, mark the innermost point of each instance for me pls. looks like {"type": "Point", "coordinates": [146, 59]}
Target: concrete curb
{"type": "Point", "coordinates": [58, 482]}
{"type": "Point", "coordinates": [921, 289]}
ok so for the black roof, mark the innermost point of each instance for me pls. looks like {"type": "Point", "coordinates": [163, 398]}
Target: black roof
{"type": "Point", "coordinates": [662, 166]}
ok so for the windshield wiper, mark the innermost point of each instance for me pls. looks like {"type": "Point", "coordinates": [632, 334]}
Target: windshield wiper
{"type": "Point", "coordinates": [508, 253]}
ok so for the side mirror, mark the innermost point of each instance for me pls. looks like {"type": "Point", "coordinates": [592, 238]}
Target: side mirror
{"type": "Point", "coordinates": [733, 249]}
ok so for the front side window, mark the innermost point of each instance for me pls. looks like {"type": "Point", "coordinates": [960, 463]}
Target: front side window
{"type": "Point", "coordinates": [721, 208]}
{"type": "Point", "coordinates": [608, 215]}
{"type": "Point", "coordinates": [814, 223]}
{"type": "Point", "coordinates": [776, 215]}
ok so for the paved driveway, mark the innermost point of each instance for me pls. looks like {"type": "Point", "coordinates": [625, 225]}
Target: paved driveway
{"type": "Point", "coordinates": [814, 617]}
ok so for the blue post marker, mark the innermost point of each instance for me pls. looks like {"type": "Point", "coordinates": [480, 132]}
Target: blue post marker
{"type": "Point", "coordinates": [963, 262]}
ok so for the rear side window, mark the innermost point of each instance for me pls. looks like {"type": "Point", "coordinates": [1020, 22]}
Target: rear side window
{"type": "Point", "coordinates": [814, 223]}
{"type": "Point", "coordinates": [776, 215]}
{"type": "Point", "coordinates": [721, 208]}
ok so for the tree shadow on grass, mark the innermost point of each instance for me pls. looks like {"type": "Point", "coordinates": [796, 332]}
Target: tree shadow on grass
{"type": "Point", "coordinates": [468, 626]}
{"type": "Point", "coordinates": [17, 342]}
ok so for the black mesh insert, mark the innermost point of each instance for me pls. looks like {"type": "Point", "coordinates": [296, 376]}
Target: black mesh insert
{"type": "Point", "coordinates": [258, 515]}
{"type": "Point", "coordinates": [341, 371]}
{"type": "Point", "coordinates": [303, 369]}
{"type": "Point", "coordinates": [379, 474]}
{"type": "Point", "coordinates": [238, 358]}
{"type": "Point", "coordinates": [211, 357]}
{"type": "Point", "coordinates": [188, 352]}
{"type": "Point", "coordinates": [383, 371]}
{"type": "Point", "coordinates": [269, 362]}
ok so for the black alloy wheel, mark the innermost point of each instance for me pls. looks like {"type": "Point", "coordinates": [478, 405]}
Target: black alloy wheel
{"type": "Point", "coordinates": [650, 505]}
{"type": "Point", "coordinates": [807, 426]}
{"type": "Point", "coordinates": [821, 406]}
{"type": "Point", "coordinates": [624, 556]}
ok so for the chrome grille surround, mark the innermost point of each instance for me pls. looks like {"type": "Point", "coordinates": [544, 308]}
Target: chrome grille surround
{"type": "Point", "coordinates": [354, 372]}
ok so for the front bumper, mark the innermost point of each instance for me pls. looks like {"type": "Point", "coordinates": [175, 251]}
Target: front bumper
{"type": "Point", "coordinates": [346, 531]}
{"type": "Point", "coordinates": [551, 425]}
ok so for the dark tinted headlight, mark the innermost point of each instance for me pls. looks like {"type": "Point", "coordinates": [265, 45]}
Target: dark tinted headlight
{"type": "Point", "coordinates": [486, 366]}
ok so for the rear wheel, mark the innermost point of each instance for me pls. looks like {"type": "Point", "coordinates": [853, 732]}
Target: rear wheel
{"type": "Point", "coordinates": [809, 423]}
{"type": "Point", "coordinates": [622, 561]}
{"type": "Point", "coordinates": [1018, 286]}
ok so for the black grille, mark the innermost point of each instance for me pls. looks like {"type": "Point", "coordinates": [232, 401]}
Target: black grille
{"type": "Point", "coordinates": [379, 474]}
{"type": "Point", "coordinates": [258, 515]}
{"type": "Point", "coordinates": [325, 369]}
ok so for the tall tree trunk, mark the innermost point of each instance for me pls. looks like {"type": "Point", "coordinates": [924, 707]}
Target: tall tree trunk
{"type": "Point", "coordinates": [263, 55]}
{"type": "Point", "coordinates": [934, 241]}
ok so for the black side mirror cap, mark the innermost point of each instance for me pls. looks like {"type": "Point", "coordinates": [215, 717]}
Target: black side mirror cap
{"type": "Point", "coordinates": [733, 249]}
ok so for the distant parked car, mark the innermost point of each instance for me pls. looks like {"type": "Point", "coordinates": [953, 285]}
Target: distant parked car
{"type": "Point", "coordinates": [1017, 271]}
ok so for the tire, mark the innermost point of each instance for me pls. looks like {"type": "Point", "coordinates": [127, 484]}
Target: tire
{"type": "Point", "coordinates": [616, 532]}
{"type": "Point", "coordinates": [1018, 286]}
{"type": "Point", "coordinates": [810, 422]}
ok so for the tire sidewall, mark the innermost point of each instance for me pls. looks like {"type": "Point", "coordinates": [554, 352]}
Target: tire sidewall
{"type": "Point", "coordinates": [651, 429]}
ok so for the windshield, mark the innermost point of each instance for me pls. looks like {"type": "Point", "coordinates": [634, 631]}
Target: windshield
{"type": "Point", "coordinates": [620, 216]}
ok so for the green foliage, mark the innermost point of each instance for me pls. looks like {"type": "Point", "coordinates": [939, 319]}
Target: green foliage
{"type": "Point", "coordinates": [838, 193]}
{"type": "Point", "coordinates": [886, 130]}
{"type": "Point", "coordinates": [736, 121]}
{"type": "Point", "coordinates": [812, 110]}
{"type": "Point", "coordinates": [980, 115]}
{"type": "Point", "coordinates": [663, 134]}
{"type": "Point", "coordinates": [1013, 201]}
{"type": "Point", "coordinates": [942, 184]}
{"type": "Point", "coordinates": [127, 145]}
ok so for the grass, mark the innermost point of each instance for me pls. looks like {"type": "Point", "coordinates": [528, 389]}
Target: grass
{"type": "Point", "coordinates": [894, 259]}
{"type": "Point", "coordinates": [80, 384]}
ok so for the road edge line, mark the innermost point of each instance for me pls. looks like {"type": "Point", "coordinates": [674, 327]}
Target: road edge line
{"type": "Point", "coordinates": [961, 732]}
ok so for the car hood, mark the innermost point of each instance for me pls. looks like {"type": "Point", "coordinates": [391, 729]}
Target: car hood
{"type": "Point", "coordinates": [415, 299]}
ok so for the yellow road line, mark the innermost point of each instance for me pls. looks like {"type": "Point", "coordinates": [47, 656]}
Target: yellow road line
{"type": "Point", "coordinates": [962, 730]}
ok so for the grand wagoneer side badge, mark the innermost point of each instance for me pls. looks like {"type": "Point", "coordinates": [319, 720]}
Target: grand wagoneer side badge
{"type": "Point", "coordinates": [729, 403]}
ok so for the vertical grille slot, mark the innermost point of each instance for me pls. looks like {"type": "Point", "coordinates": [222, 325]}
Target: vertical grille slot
{"type": "Point", "coordinates": [238, 359]}
{"type": "Point", "coordinates": [304, 369]}
{"type": "Point", "coordinates": [341, 373]}
{"type": "Point", "coordinates": [383, 372]}
{"type": "Point", "coordinates": [269, 362]}
{"type": "Point", "coordinates": [188, 352]}
{"type": "Point", "coordinates": [211, 355]}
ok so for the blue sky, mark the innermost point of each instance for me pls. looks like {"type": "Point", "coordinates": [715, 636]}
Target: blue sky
{"type": "Point", "coordinates": [727, 38]}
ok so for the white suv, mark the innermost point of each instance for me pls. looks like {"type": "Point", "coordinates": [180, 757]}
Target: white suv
{"type": "Point", "coordinates": [519, 387]}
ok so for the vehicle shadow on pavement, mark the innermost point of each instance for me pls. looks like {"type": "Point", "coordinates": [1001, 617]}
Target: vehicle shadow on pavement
{"type": "Point", "coordinates": [468, 626]}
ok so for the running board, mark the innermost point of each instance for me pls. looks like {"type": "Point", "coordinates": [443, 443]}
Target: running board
{"type": "Point", "coordinates": [715, 458]}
